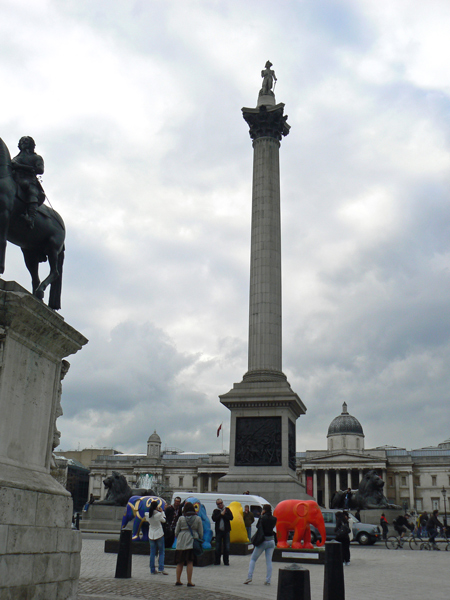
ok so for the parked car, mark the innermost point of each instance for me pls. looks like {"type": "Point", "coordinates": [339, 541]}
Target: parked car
{"type": "Point", "coordinates": [364, 533]}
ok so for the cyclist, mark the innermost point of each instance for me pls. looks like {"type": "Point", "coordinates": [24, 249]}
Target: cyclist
{"type": "Point", "coordinates": [401, 524]}
{"type": "Point", "coordinates": [432, 528]}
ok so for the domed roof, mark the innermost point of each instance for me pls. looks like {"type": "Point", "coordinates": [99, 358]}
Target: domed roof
{"type": "Point", "coordinates": [345, 423]}
{"type": "Point", "coordinates": [154, 438]}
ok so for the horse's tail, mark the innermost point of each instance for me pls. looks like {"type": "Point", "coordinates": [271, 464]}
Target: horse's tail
{"type": "Point", "coordinates": [54, 300]}
{"type": "Point", "coordinates": [5, 160]}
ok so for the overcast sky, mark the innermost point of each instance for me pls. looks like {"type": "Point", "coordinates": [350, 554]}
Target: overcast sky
{"type": "Point", "coordinates": [135, 107]}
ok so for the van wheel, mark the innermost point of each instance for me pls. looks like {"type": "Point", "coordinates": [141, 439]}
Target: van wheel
{"type": "Point", "coordinates": [363, 539]}
{"type": "Point", "coordinates": [313, 537]}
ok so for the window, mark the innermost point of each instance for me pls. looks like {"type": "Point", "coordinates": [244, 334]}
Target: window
{"type": "Point", "coordinates": [391, 481]}
{"type": "Point", "coordinates": [433, 480]}
{"type": "Point", "coordinates": [419, 505]}
{"type": "Point", "coordinates": [435, 503]}
{"type": "Point", "coordinates": [403, 480]}
{"type": "Point", "coordinates": [327, 517]}
{"type": "Point", "coordinates": [180, 481]}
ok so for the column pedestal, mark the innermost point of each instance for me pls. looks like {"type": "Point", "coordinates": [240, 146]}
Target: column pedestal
{"type": "Point", "coordinates": [262, 435]}
{"type": "Point", "coordinates": [39, 551]}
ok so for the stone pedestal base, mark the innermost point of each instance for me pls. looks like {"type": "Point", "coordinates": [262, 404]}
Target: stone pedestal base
{"type": "Point", "coordinates": [39, 550]}
{"type": "Point", "coordinates": [264, 410]}
{"type": "Point", "coordinates": [103, 518]}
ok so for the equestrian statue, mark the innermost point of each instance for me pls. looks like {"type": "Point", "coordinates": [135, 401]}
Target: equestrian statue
{"type": "Point", "coordinates": [26, 222]}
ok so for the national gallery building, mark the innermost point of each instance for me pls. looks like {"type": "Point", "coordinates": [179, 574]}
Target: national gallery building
{"type": "Point", "coordinates": [413, 478]}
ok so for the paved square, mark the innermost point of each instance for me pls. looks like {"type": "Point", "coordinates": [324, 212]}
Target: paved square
{"type": "Point", "coordinates": [375, 573]}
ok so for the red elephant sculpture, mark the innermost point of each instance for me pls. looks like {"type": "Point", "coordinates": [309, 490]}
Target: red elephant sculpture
{"type": "Point", "coordinates": [298, 515]}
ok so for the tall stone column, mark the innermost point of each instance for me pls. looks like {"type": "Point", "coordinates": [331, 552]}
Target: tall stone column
{"type": "Point", "coordinates": [315, 488]}
{"type": "Point", "coordinates": [264, 409]}
{"type": "Point", "coordinates": [327, 490]}
{"type": "Point", "coordinates": [411, 490]}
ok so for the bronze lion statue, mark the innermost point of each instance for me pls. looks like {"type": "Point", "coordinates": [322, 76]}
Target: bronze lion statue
{"type": "Point", "coordinates": [119, 492]}
{"type": "Point", "coordinates": [369, 494]}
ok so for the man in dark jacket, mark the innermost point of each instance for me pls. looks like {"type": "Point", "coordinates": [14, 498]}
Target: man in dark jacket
{"type": "Point", "coordinates": [222, 516]}
{"type": "Point", "coordinates": [432, 528]}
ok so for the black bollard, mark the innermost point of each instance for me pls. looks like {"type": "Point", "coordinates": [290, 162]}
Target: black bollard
{"type": "Point", "coordinates": [333, 584]}
{"type": "Point", "coordinates": [293, 583]}
{"type": "Point", "coordinates": [123, 565]}
{"type": "Point", "coordinates": [77, 521]}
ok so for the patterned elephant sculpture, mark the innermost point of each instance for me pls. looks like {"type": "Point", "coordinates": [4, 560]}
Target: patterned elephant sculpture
{"type": "Point", "coordinates": [298, 515]}
{"type": "Point", "coordinates": [136, 508]}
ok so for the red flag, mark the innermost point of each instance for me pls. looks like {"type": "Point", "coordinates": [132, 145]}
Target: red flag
{"type": "Point", "coordinates": [218, 431]}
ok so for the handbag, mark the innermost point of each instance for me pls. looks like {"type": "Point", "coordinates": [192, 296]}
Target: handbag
{"type": "Point", "coordinates": [259, 536]}
{"type": "Point", "coordinates": [198, 543]}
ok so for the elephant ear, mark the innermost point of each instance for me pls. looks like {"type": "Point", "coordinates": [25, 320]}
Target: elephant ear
{"type": "Point", "coordinates": [302, 509]}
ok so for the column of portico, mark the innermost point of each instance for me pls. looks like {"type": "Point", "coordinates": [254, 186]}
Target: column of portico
{"type": "Point", "coordinates": [411, 490]}
{"type": "Point", "coordinates": [349, 478]}
{"type": "Point", "coordinates": [360, 475]}
{"type": "Point", "coordinates": [397, 487]}
{"type": "Point", "coordinates": [315, 484]}
{"type": "Point", "coordinates": [209, 483]}
{"type": "Point", "coordinates": [326, 484]}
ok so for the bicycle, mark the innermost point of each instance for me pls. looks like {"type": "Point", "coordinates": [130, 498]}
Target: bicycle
{"type": "Point", "coordinates": [415, 541]}
{"type": "Point", "coordinates": [441, 544]}
{"type": "Point", "coordinates": [393, 542]}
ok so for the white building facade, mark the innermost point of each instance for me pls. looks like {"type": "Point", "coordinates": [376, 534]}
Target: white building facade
{"type": "Point", "coordinates": [413, 478]}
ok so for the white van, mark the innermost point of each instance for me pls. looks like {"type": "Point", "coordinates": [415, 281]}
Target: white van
{"type": "Point", "coordinates": [209, 502]}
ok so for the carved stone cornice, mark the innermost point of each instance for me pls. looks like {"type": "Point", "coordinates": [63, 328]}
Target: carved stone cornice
{"type": "Point", "coordinates": [266, 121]}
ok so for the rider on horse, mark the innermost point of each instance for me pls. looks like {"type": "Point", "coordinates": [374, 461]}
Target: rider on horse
{"type": "Point", "coordinates": [25, 168]}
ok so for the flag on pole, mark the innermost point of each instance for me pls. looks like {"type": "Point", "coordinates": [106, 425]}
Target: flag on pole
{"type": "Point", "coordinates": [218, 431]}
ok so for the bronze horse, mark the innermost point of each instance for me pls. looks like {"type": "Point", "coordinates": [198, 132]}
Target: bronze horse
{"type": "Point", "coordinates": [44, 241]}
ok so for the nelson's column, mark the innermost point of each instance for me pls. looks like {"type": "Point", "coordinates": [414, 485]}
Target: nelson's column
{"type": "Point", "coordinates": [263, 406]}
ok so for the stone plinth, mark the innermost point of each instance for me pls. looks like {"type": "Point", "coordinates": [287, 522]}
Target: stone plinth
{"type": "Point", "coordinates": [262, 435]}
{"type": "Point", "coordinates": [39, 551]}
{"type": "Point", "coordinates": [103, 518]}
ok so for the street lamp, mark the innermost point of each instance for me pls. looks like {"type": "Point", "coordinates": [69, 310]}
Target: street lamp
{"type": "Point", "coordinates": [444, 494]}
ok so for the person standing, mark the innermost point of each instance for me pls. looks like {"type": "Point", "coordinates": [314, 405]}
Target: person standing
{"type": "Point", "coordinates": [267, 522]}
{"type": "Point", "coordinates": [189, 525]}
{"type": "Point", "coordinates": [173, 513]}
{"type": "Point", "coordinates": [249, 518]}
{"type": "Point", "coordinates": [423, 522]}
{"type": "Point", "coordinates": [384, 525]}
{"type": "Point", "coordinates": [156, 518]}
{"type": "Point", "coordinates": [222, 516]}
{"type": "Point", "coordinates": [347, 498]}
{"type": "Point", "coordinates": [342, 531]}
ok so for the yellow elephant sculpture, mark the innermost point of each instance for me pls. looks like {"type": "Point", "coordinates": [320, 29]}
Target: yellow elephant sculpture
{"type": "Point", "coordinates": [238, 533]}
{"type": "Point", "coordinates": [297, 516]}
